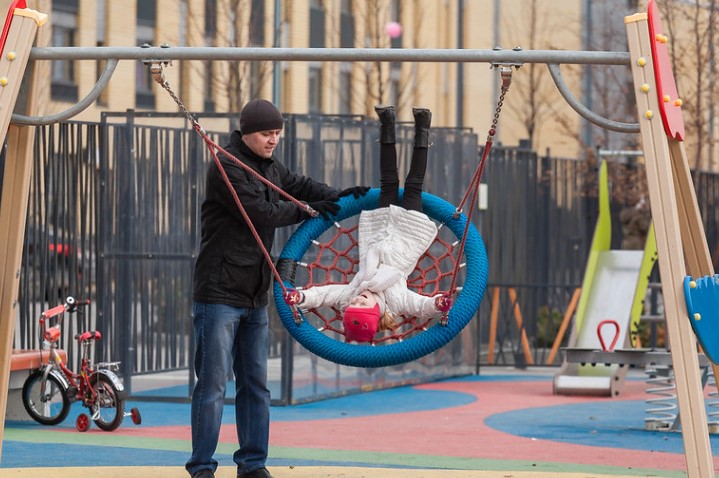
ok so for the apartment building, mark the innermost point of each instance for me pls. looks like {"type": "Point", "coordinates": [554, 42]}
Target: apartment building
{"type": "Point", "coordinates": [459, 94]}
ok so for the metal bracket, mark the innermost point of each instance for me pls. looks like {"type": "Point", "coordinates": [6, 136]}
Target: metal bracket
{"type": "Point", "coordinates": [156, 66]}
{"type": "Point", "coordinates": [583, 111]}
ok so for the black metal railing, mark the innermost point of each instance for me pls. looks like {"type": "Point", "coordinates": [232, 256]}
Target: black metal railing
{"type": "Point", "coordinates": [114, 217]}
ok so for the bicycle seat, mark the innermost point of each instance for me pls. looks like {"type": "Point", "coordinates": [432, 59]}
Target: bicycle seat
{"type": "Point", "coordinates": [89, 335]}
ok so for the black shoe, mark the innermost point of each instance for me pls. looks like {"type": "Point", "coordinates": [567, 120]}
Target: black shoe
{"type": "Point", "coordinates": [422, 120]}
{"type": "Point", "coordinates": [258, 473]}
{"type": "Point", "coordinates": [387, 120]}
{"type": "Point", "coordinates": [204, 473]}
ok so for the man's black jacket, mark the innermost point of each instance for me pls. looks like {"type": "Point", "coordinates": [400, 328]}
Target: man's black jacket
{"type": "Point", "coordinates": [230, 267]}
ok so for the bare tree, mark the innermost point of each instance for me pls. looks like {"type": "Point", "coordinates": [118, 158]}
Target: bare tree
{"type": "Point", "coordinates": [376, 86]}
{"type": "Point", "coordinates": [531, 86]}
{"type": "Point", "coordinates": [238, 81]}
{"type": "Point", "coordinates": [691, 27]}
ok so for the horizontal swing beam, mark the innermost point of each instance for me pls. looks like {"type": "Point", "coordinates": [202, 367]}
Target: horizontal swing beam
{"type": "Point", "coordinates": [518, 56]}
{"type": "Point", "coordinates": [163, 54]}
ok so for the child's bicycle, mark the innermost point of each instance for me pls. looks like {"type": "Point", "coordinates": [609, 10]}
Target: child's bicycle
{"type": "Point", "coordinates": [49, 390]}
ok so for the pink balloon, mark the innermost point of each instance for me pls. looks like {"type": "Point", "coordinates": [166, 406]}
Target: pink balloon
{"type": "Point", "coordinates": [393, 29]}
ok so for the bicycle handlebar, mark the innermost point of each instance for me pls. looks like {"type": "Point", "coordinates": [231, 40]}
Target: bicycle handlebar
{"type": "Point", "coordinates": [57, 310]}
{"type": "Point", "coordinates": [52, 334]}
{"type": "Point", "coordinates": [71, 304]}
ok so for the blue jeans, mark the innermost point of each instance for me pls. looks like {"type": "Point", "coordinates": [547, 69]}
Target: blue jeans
{"type": "Point", "coordinates": [224, 336]}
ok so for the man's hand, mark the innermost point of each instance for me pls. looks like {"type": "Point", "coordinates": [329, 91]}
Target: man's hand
{"type": "Point", "coordinates": [325, 208]}
{"type": "Point", "coordinates": [294, 297]}
{"type": "Point", "coordinates": [443, 303]}
{"type": "Point", "coordinates": [355, 191]}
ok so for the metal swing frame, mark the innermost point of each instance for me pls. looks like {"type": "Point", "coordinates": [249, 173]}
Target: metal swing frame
{"type": "Point", "coordinates": [661, 150]}
{"type": "Point", "coordinates": [165, 54]}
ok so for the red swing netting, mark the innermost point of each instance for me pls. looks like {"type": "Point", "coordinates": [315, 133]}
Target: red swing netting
{"type": "Point", "coordinates": [334, 258]}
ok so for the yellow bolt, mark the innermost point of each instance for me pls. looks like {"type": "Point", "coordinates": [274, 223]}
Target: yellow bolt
{"type": "Point", "coordinates": [692, 284]}
{"type": "Point", "coordinates": [641, 61]}
{"type": "Point", "coordinates": [645, 88]}
{"type": "Point", "coordinates": [678, 102]}
{"type": "Point", "coordinates": [662, 38]}
{"type": "Point", "coordinates": [648, 114]}
{"type": "Point", "coordinates": [697, 316]}
{"type": "Point", "coordinates": [11, 55]}
{"type": "Point", "coordinates": [667, 98]}
{"type": "Point", "coordinates": [3, 81]}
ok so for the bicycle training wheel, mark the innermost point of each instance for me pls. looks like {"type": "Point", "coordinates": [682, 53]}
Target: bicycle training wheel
{"type": "Point", "coordinates": [108, 410]}
{"type": "Point", "coordinates": [44, 398]}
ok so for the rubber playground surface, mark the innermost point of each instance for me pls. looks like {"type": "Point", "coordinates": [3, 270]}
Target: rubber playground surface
{"type": "Point", "coordinates": [503, 424]}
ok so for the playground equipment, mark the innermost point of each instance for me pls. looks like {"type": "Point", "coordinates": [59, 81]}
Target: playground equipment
{"type": "Point", "coordinates": [610, 306]}
{"type": "Point", "coordinates": [680, 236]}
{"type": "Point", "coordinates": [702, 297]}
{"type": "Point", "coordinates": [679, 232]}
{"type": "Point", "coordinates": [413, 337]}
{"type": "Point", "coordinates": [18, 34]}
{"type": "Point", "coordinates": [51, 388]}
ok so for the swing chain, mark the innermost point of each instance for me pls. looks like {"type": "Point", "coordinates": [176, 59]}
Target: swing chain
{"type": "Point", "coordinates": [159, 77]}
{"type": "Point", "coordinates": [505, 71]}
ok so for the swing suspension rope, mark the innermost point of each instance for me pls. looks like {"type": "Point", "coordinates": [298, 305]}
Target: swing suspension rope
{"type": "Point", "coordinates": [157, 74]}
{"type": "Point", "coordinates": [505, 71]}
{"type": "Point", "coordinates": [156, 68]}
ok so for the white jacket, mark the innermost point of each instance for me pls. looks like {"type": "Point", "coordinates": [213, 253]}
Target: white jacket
{"type": "Point", "coordinates": [391, 240]}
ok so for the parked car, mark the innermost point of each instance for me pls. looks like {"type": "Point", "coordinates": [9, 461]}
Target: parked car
{"type": "Point", "coordinates": [53, 265]}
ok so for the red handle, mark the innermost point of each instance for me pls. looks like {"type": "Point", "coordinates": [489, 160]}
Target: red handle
{"type": "Point", "coordinates": [57, 310]}
{"type": "Point", "coordinates": [601, 337]}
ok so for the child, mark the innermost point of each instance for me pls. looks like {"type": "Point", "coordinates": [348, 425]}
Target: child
{"type": "Point", "coordinates": [391, 240]}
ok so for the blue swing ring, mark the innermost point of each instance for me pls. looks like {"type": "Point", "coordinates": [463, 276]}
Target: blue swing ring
{"type": "Point", "coordinates": [463, 309]}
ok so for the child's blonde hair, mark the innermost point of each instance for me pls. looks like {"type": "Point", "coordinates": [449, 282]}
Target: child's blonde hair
{"type": "Point", "coordinates": [387, 321]}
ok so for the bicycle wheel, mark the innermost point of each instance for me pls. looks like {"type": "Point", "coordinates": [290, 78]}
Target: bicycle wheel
{"type": "Point", "coordinates": [108, 410]}
{"type": "Point", "coordinates": [44, 398]}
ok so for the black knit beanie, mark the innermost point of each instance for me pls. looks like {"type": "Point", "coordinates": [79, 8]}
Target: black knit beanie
{"type": "Point", "coordinates": [260, 115]}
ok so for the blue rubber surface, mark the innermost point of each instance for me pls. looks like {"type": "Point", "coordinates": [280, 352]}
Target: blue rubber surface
{"type": "Point", "coordinates": [608, 423]}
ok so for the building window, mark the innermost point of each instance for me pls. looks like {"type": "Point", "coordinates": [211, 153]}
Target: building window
{"type": "Point", "coordinates": [315, 93]}
{"type": "Point", "coordinates": [394, 87]}
{"type": "Point", "coordinates": [256, 77]}
{"type": "Point", "coordinates": [147, 12]}
{"type": "Point", "coordinates": [345, 89]}
{"type": "Point", "coordinates": [102, 100]}
{"type": "Point", "coordinates": [347, 25]}
{"type": "Point", "coordinates": [210, 18]}
{"type": "Point", "coordinates": [146, 18]}
{"type": "Point", "coordinates": [210, 34]}
{"type": "Point", "coordinates": [396, 14]}
{"type": "Point", "coordinates": [182, 24]}
{"type": "Point", "coordinates": [207, 88]}
{"type": "Point", "coordinates": [317, 24]}
{"type": "Point", "coordinates": [64, 27]}
{"type": "Point", "coordinates": [257, 23]}
{"type": "Point", "coordinates": [65, 5]}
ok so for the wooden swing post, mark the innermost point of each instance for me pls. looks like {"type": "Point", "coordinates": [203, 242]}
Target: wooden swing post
{"type": "Point", "coordinates": [679, 233]}
{"type": "Point", "coordinates": [18, 36]}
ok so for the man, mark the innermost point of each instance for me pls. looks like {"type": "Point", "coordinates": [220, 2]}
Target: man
{"type": "Point", "coordinates": [231, 284]}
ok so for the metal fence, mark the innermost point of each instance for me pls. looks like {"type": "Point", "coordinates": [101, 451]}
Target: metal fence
{"type": "Point", "coordinates": [114, 217]}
